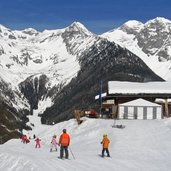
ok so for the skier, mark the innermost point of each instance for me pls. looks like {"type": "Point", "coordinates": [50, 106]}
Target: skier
{"type": "Point", "coordinates": [64, 142]}
{"type": "Point", "coordinates": [37, 142]}
{"type": "Point", "coordinates": [34, 136]}
{"type": "Point", "coordinates": [54, 143]}
{"type": "Point", "coordinates": [23, 138]}
{"type": "Point", "coordinates": [105, 143]}
{"type": "Point", "coordinates": [27, 140]}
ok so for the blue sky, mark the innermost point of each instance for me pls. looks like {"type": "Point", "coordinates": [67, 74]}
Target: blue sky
{"type": "Point", "coordinates": [97, 15]}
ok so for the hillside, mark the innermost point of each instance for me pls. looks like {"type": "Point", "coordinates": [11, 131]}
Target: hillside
{"type": "Point", "coordinates": [105, 61]}
{"type": "Point", "coordinates": [141, 145]}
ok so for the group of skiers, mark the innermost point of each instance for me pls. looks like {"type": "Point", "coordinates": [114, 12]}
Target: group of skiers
{"type": "Point", "coordinates": [24, 139]}
{"type": "Point", "coordinates": [64, 142]}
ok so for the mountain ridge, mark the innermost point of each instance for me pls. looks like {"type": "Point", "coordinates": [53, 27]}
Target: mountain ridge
{"type": "Point", "coordinates": [64, 66]}
{"type": "Point", "coordinates": [150, 41]}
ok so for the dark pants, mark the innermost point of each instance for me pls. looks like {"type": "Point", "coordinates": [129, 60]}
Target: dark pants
{"type": "Point", "coordinates": [107, 151]}
{"type": "Point", "coordinates": [62, 149]}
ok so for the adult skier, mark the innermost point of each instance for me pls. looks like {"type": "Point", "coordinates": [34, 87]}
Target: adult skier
{"type": "Point", "coordinates": [105, 143]}
{"type": "Point", "coordinates": [34, 136]}
{"type": "Point", "coordinates": [64, 142]}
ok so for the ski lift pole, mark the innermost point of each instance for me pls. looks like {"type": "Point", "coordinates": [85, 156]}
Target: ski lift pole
{"type": "Point", "coordinates": [71, 153]}
{"type": "Point", "coordinates": [114, 123]}
{"type": "Point", "coordinates": [100, 98]}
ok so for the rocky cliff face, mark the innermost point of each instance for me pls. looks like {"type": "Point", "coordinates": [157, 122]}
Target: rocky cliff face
{"type": "Point", "coordinates": [154, 38]}
{"type": "Point", "coordinates": [34, 88]}
{"type": "Point", "coordinates": [13, 111]}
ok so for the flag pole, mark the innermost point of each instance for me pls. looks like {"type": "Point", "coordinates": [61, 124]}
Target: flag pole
{"type": "Point", "coordinates": [100, 96]}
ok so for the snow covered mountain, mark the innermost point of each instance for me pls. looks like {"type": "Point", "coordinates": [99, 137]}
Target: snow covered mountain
{"type": "Point", "coordinates": [61, 66]}
{"type": "Point", "coordinates": [150, 41]}
{"type": "Point", "coordinates": [53, 53]}
{"type": "Point", "coordinates": [28, 52]}
{"type": "Point", "coordinates": [104, 61]}
{"type": "Point", "coordinates": [32, 63]}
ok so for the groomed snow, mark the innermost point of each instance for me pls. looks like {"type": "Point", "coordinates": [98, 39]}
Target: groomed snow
{"type": "Point", "coordinates": [142, 145]}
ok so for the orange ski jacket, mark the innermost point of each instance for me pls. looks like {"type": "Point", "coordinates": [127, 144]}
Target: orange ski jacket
{"type": "Point", "coordinates": [64, 139]}
{"type": "Point", "coordinates": [105, 142]}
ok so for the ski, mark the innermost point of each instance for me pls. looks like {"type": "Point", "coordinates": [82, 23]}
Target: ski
{"type": "Point", "coordinates": [118, 126]}
{"type": "Point", "coordinates": [60, 158]}
{"type": "Point", "coordinates": [103, 156]}
{"type": "Point", "coordinates": [63, 158]}
{"type": "Point", "coordinates": [52, 151]}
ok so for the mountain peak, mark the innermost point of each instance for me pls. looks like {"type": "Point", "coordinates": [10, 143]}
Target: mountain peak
{"type": "Point", "coordinates": [131, 27]}
{"type": "Point", "coordinates": [77, 26]}
{"type": "Point", "coordinates": [30, 31]}
{"type": "Point", "coordinates": [133, 23]}
{"type": "Point", "coordinates": [160, 20]}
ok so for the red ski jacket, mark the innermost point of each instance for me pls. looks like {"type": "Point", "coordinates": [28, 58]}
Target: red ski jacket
{"type": "Point", "coordinates": [64, 139]}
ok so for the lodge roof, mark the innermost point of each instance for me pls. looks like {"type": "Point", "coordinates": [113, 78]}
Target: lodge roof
{"type": "Point", "coordinates": [134, 88]}
{"type": "Point", "coordinates": [139, 102]}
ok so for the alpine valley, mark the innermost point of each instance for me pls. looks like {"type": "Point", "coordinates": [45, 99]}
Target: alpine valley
{"type": "Point", "coordinates": [60, 70]}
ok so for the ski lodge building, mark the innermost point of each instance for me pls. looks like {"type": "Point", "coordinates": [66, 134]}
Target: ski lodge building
{"type": "Point", "coordinates": [134, 100]}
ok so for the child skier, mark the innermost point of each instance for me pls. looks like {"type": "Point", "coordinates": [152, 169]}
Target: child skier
{"type": "Point", "coordinates": [54, 143]}
{"type": "Point", "coordinates": [37, 142]}
{"type": "Point", "coordinates": [105, 143]}
{"type": "Point", "coordinates": [23, 139]}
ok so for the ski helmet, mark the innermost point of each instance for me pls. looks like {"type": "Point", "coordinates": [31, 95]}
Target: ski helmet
{"type": "Point", "coordinates": [105, 135]}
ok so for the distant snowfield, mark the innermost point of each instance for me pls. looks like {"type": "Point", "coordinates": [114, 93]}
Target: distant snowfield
{"type": "Point", "coordinates": [142, 145]}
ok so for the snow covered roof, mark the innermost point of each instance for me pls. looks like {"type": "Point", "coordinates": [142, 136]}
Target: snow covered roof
{"type": "Point", "coordinates": [118, 87]}
{"type": "Point", "coordinates": [139, 102]}
{"type": "Point", "coordinates": [159, 100]}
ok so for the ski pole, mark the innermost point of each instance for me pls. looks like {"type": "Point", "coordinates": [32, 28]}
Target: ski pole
{"type": "Point", "coordinates": [72, 153]}
{"type": "Point", "coordinates": [114, 123]}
